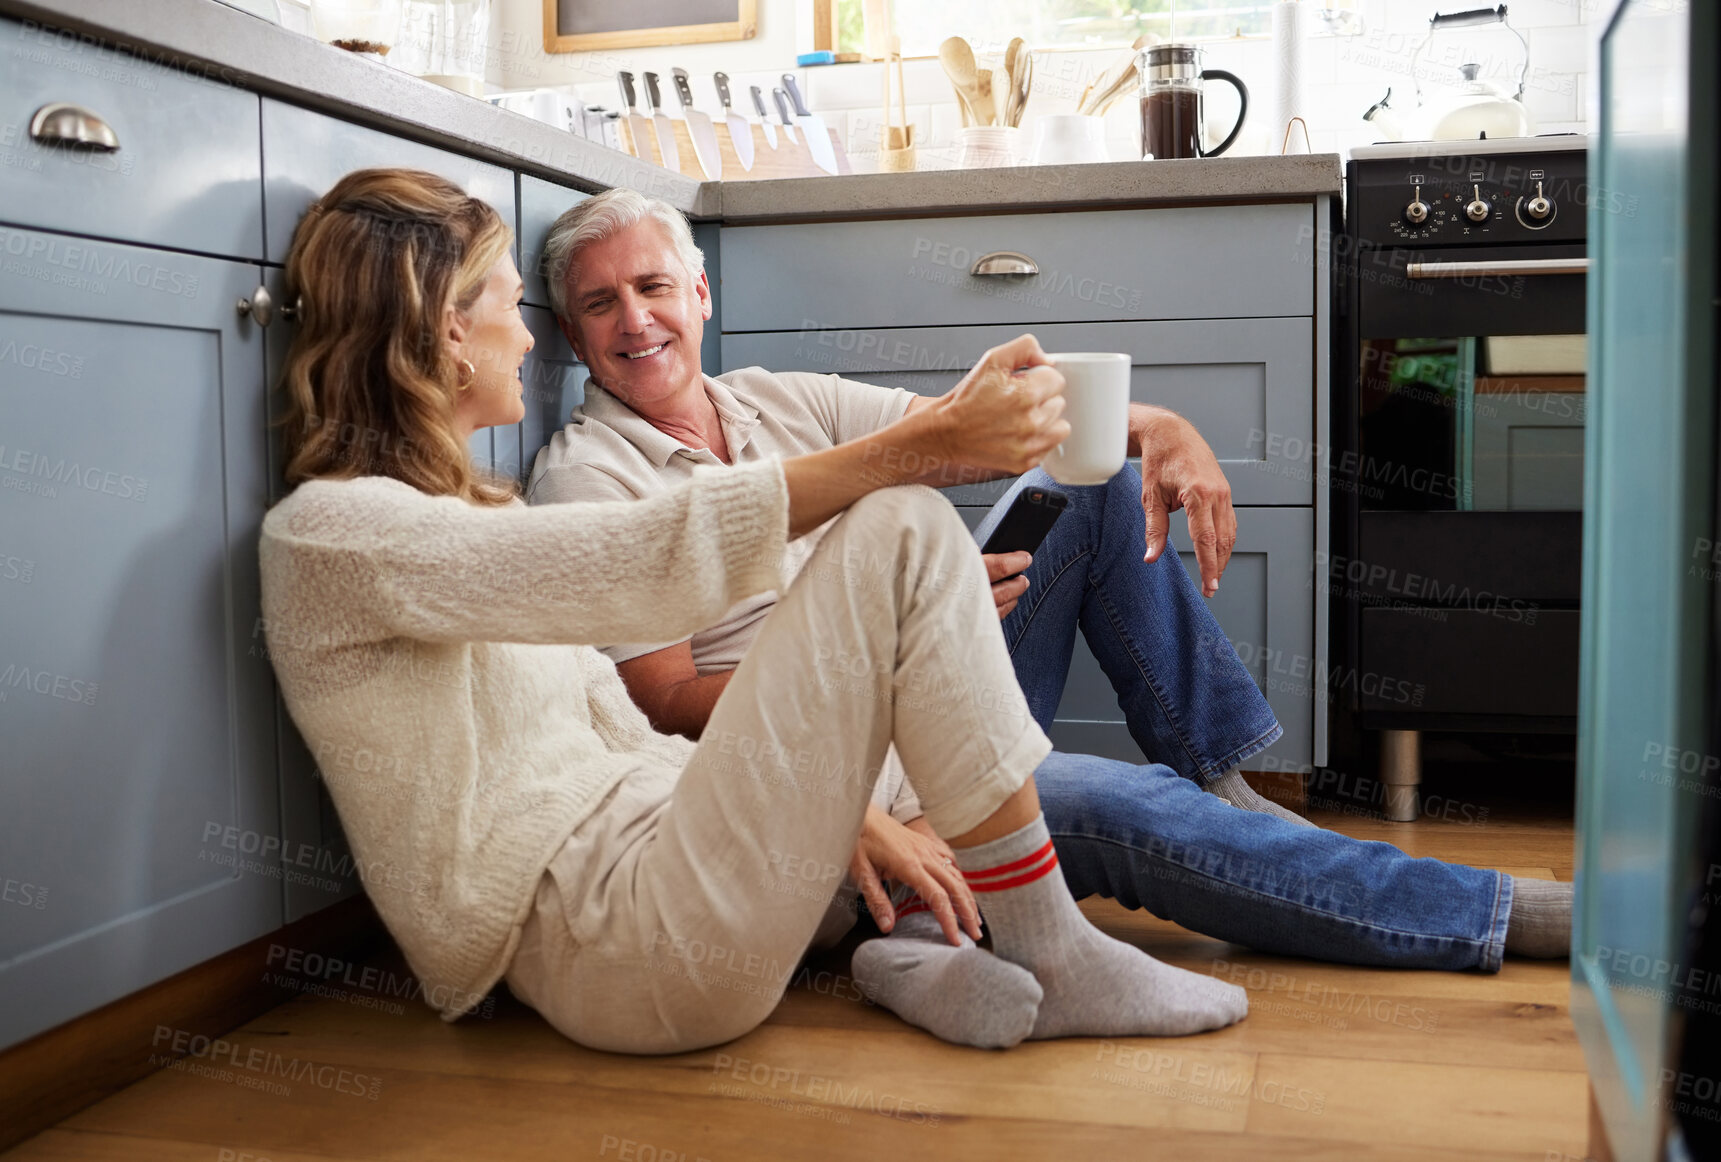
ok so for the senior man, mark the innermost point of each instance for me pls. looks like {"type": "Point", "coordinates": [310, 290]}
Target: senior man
{"type": "Point", "coordinates": [629, 289]}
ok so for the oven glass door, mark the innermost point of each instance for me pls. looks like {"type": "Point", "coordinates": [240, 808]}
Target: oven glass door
{"type": "Point", "coordinates": [1483, 423]}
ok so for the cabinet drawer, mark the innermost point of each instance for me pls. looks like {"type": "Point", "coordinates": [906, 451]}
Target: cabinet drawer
{"type": "Point", "coordinates": [304, 153]}
{"type": "Point", "coordinates": [1265, 605]}
{"type": "Point", "coordinates": [1246, 384]}
{"type": "Point", "coordinates": [541, 203]}
{"type": "Point", "coordinates": [1506, 660]}
{"type": "Point", "coordinates": [1196, 263]}
{"type": "Point", "coordinates": [186, 174]}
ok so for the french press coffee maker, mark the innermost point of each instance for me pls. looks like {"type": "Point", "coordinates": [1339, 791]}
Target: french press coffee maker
{"type": "Point", "coordinates": [1171, 100]}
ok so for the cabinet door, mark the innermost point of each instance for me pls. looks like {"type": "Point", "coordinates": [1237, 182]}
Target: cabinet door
{"type": "Point", "coordinates": [1246, 384]}
{"type": "Point", "coordinates": [541, 203]}
{"type": "Point", "coordinates": [308, 819]}
{"type": "Point", "coordinates": [137, 768]}
{"type": "Point", "coordinates": [304, 153]}
{"type": "Point", "coordinates": [555, 385]}
{"type": "Point", "coordinates": [1646, 693]}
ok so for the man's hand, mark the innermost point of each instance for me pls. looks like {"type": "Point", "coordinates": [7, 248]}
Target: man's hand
{"type": "Point", "coordinates": [1005, 594]}
{"type": "Point", "coordinates": [1179, 470]}
{"type": "Point", "coordinates": [1003, 417]}
{"type": "Point", "coordinates": [888, 850]}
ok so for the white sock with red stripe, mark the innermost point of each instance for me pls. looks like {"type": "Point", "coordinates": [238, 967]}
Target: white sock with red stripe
{"type": "Point", "coordinates": [962, 994]}
{"type": "Point", "coordinates": [1093, 986]}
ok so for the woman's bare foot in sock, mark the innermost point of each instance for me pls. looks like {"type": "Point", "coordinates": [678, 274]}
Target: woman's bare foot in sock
{"type": "Point", "coordinates": [961, 994]}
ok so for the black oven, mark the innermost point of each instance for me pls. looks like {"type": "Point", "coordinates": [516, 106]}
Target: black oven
{"type": "Point", "coordinates": [1457, 464]}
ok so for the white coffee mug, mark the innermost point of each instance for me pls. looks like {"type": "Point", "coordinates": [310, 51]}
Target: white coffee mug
{"type": "Point", "coordinates": [1096, 405]}
{"type": "Point", "coordinates": [1066, 138]}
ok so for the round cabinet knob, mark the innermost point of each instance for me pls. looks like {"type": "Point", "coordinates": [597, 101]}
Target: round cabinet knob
{"type": "Point", "coordinates": [1417, 212]}
{"type": "Point", "coordinates": [1476, 209]}
{"type": "Point", "coordinates": [260, 308]}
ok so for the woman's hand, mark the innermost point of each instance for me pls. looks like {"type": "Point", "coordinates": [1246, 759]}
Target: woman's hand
{"type": "Point", "coordinates": [888, 850]}
{"type": "Point", "coordinates": [1007, 413]}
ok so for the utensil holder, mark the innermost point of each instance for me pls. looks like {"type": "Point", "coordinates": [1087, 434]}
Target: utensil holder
{"type": "Point", "coordinates": [989, 146]}
{"type": "Point", "coordinates": [896, 150]}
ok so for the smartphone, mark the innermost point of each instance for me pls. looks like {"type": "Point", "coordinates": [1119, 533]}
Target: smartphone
{"type": "Point", "coordinates": [1026, 523]}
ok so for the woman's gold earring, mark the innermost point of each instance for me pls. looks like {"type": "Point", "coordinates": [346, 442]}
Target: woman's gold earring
{"type": "Point", "coordinates": [467, 374]}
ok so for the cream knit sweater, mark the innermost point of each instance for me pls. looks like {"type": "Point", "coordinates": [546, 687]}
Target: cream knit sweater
{"type": "Point", "coordinates": [438, 659]}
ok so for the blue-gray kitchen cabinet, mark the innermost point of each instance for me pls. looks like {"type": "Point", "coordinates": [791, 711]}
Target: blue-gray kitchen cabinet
{"type": "Point", "coordinates": [1238, 380]}
{"type": "Point", "coordinates": [137, 771]}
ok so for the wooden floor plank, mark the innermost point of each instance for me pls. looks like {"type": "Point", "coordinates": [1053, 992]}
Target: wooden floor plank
{"type": "Point", "coordinates": [1403, 1103]}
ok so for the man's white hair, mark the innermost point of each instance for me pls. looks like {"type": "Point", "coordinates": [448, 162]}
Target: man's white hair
{"type": "Point", "coordinates": [601, 217]}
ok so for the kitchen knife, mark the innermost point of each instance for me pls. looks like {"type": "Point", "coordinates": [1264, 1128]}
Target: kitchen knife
{"type": "Point", "coordinates": [699, 126]}
{"type": "Point", "coordinates": [764, 117]}
{"type": "Point", "coordinates": [660, 123]}
{"type": "Point", "coordinates": [740, 129]}
{"type": "Point", "coordinates": [818, 137]}
{"type": "Point", "coordinates": [782, 100]}
{"type": "Point", "coordinates": [638, 127]}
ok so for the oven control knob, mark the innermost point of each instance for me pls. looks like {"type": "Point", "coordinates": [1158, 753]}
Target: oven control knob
{"type": "Point", "coordinates": [1417, 212]}
{"type": "Point", "coordinates": [1538, 208]}
{"type": "Point", "coordinates": [1476, 209]}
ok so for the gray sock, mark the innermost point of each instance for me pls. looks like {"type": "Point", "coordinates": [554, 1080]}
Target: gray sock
{"type": "Point", "coordinates": [960, 994]}
{"type": "Point", "coordinates": [1094, 986]}
{"type": "Point", "coordinates": [1540, 923]}
{"type": "Point", "coordinates": [1235, 790]}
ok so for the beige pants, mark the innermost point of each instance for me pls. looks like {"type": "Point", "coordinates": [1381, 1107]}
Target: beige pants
{"type": "Point", "coordinates": [673, 918]}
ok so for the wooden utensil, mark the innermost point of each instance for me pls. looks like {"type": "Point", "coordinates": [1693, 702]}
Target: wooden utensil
{"type": "Point", "coordinates": [985, 110]}
{"type": "Point", "coordinates": [958, 60]}
{"type": "Point", "coordinates": [1110, 84]}
{"type": "Point", "coordinates": [1015, 69]}
{"type": "Point", "coordinates": [1026, 64]}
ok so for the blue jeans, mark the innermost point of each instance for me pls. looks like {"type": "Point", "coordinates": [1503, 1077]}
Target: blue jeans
{"type": "Point", "coordinates": [1187, 698]}
{"type": "Point", "coordinates": [1145, 837]}
{"type": "Point", "coordinates": [1150, 839]}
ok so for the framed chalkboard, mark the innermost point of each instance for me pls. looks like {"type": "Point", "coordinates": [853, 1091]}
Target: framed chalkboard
{"type": "Point", "coordinates": [589, 25]}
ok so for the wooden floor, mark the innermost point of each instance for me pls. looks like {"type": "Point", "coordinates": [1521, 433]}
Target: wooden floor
{"type": "Point", "coordinates": [1332, 1063]}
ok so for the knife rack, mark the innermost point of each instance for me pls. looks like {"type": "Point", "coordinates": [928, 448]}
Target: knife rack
{"type": "Point", "coordinates": [788, 160]}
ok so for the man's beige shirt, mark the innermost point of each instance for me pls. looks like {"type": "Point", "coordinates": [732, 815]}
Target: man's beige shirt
{"type": "Point", "coordinates": [609, 452]}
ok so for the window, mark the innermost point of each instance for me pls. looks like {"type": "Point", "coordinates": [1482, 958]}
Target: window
{"type": "Point", "coordinates": [925, 24]}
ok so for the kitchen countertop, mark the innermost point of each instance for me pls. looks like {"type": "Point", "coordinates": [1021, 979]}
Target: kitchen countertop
{"type": "Point", "coordinates": [203, 38]}
{"type": "Point", "coordinates": [1096, 185]}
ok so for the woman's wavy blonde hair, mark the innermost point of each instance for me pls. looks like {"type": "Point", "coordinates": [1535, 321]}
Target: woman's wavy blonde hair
{"type": "Point", "coordinates": [370, 385]}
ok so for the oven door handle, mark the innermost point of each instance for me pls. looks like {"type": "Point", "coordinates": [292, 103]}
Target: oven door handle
{"type": "Point", "coordinates": [1496, 266]}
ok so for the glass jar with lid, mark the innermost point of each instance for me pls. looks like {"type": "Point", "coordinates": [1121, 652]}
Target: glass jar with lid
{"type": "Point", "coordinates": [446, 41]}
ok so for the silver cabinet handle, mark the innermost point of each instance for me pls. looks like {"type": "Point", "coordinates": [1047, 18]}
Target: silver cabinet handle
{"type": "Point", "coordinates": [259, 306]}
{"type": "Point", "coordinates": [73, 125]}
{"type": "Point", "coordinates": [1001, 262]}
{"type": "Point", "coordinates": [1496, 266]}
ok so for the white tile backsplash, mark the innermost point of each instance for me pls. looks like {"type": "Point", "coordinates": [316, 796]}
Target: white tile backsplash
{"type": "Point", "coordinates": [1342, 78]}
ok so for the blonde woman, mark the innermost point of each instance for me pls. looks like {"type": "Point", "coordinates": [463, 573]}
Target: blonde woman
{"type": "Point", "coordinates": [515, 814]}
